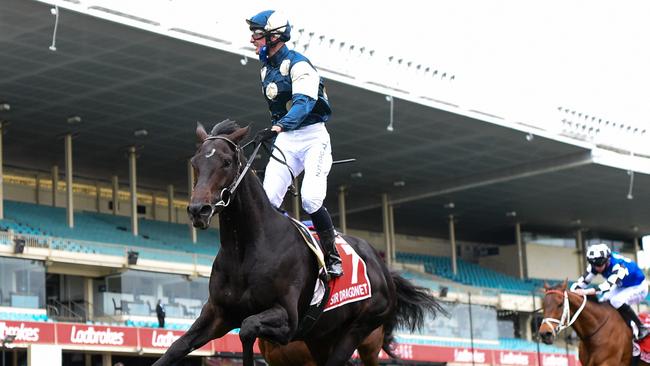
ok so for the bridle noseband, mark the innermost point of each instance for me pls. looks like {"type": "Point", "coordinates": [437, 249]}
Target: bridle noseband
{"type": "Point", "coordinates": [566, 320]}
{"type": "Point", "coordinates": [226, 193]}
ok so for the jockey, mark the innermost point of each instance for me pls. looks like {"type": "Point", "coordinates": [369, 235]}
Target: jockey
{"type": "Point", "coordinates": [299, 109]}
{"type": "Point", "coordinates": [625, 283]}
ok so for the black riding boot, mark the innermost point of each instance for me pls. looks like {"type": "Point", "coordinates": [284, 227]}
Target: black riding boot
{"type": "Point", "coordinates": [325, 229]}
{"type": "Point", "coordinates": [630, 316]}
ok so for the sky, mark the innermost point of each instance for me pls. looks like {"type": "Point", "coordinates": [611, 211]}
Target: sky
{"type": "Point", "coordinates": [514, 58]}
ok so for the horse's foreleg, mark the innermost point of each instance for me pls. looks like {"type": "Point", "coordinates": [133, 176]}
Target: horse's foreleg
{"type": "Point", "coordinates": [271, 324]}
{"type": "Point", "coordinates": [209, 325]}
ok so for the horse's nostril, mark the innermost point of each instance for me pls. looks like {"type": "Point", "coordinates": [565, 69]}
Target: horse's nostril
{"type": "Point", "coordinates": [195, 209]}
{"type": "Point", "coordinates": [205, 210]}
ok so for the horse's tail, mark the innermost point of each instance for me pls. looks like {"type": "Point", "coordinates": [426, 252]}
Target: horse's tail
{"type": "Point", "coordinates": [413, 302]}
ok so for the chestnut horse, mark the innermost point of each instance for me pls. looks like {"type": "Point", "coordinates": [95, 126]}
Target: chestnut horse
{"type": "Point", "coordinates": [297, 353]}
{"type": "Point", "coordinates": [605, 340]}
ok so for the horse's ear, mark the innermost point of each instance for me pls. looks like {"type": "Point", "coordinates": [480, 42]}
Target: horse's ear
{"type": "Point", "coordinates": [201, 134]}
{"type": "Point", "coordinates": [565, 283]}
{"type": "Point", "coordinates": [546, 286]}
{"type": "Point", "coordinates": [240, 134]}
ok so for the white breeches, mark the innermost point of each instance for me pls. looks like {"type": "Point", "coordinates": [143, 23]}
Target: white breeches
{"type": "Point", "coordinates": [305, 149]}
{"type": "Point", "coordinates": [626, 295]}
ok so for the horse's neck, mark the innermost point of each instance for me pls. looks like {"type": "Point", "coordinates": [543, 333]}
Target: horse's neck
{"type": "Point", "coordinates": [591, 317]}
{"type": "Point", "coordinates": [242, 222]}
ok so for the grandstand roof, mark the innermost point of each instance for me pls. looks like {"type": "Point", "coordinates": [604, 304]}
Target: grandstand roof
{"type": "Point", "coordinates": [120, 79]}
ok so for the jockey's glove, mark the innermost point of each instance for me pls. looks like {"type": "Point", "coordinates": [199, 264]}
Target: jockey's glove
{"type": "Point", "coordinates": [266, 134]}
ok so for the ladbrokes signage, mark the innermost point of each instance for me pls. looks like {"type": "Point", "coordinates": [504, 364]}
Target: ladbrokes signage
{"type": "Point", "coordinates": [91, 335]}
{"type": "Point", "coordinates": [163, 338]}
{"type": "Point", "coordinates": [27, 332]}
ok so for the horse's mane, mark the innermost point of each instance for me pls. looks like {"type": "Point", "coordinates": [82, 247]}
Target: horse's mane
{"type": "Point", "coordinates": [225, 127]}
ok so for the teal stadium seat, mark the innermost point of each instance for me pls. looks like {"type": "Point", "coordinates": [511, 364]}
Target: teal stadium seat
{"type": "Point", "coordinates": [94, 229]}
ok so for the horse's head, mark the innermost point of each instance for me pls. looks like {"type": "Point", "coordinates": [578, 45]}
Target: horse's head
{"type": "Point", "coordinates": [553, 306]}
{"type": "Point", "coordinates": [217, 164]}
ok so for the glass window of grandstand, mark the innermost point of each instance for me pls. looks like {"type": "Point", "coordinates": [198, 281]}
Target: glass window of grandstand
{"type": "Point", "coordinates": [137, 293]}
{"type": "Point", "coordinates": [568, 240]}
{"type": "Point", "coordinates": [22, 283]}
{"type": "Point", "coordinates": [457, 325]}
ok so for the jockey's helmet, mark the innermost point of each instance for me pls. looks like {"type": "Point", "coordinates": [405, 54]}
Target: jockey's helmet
{"type": "Point", "coordinates": [269, 23]}
{"type": "Point", "coordinates": [598, 254]}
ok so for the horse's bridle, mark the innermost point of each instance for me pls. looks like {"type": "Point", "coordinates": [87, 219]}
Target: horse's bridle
{"type": "Point", "coordinates": [226, 194]}
{"type": "Point", "coordinates": [566, 320]}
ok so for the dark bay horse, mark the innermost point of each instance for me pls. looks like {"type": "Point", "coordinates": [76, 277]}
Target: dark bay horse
{"type": "Point", "coordinates": [605, 339]}
{"type": "Point", "coordinates": [297, 354]}
{"type": "Point", "coordinates": [263, 277]}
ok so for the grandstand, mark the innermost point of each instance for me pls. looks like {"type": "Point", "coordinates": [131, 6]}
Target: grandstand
{"type": "Point", "coordinates": [479, 209]}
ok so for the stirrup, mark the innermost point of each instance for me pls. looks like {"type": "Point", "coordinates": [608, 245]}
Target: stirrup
{"type": "Point", "coordinates": [637, 333]}
{"type": "Point", "coordinates": [334, 267]}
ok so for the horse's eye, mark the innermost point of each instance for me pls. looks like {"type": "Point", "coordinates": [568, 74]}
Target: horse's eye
{"type": "Point", "coordinates": [226, 162]}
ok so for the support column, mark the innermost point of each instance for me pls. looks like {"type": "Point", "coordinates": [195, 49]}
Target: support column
{"type": "Point", "coordinates": [98, 197]}
{"type": "Point", "coordinates": [190, 188]}
{"type": "Point", "coordinates": [520, 250]}
{"type": "Point", "coordinates": [107, 359]}
{"type": "Point", "coordinates": [391, 220]}
{"type": "Point", "coordinates": [37, 189]}
{"type": "Point", "coordinates": [2, 183]}
{"type": "Point", "coordinates": [296, 199]}
{"type": "Point", "coordinates": [170, 203]}
{"type": "Point", "coordinates": [88, 296]}
{"type": "Point", "coordinates": [55, 183]}
{"type": "Point", "coordinates": [88, 359]}
{"type": "Point", "coordinates": [635, 244]}
{"type": "Point", "coordinates": [580, 245]}
{"type": "Point", "coordinates": [452, 242]}
{"type": "Point", "coordinates": [116, 194]}
{"type": "Point", "coordinates": [386, 220]}
{"type": "Point", "coordinates": [69, 202]}
{"type": "Point", "coordinates": [134, 191]}
{"type": "Point", "coordinates": [343, 222]}
{"type": "Point", "coordinates": [153, 205]}
{"type": "Point", "coordinates": [525, 325]}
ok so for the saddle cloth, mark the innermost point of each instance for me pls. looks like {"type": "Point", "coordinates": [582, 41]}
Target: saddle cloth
{"type": "Point", "coordinates": [353, 286]}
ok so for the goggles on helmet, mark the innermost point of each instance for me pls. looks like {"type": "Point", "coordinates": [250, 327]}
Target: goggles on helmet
{"type": "Point", "coordinates": [598, 261]}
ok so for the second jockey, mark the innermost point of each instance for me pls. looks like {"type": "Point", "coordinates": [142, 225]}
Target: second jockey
{"type": "Point", "coordinates": [624, 285]}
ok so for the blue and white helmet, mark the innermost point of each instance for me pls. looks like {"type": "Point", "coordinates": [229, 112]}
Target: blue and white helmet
{"type": "Point", "coordinates": [271, 23]}
{"type": "Point", "coordinates": [598, 254]}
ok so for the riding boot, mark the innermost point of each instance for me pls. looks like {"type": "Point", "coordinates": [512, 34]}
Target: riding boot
{"type": "Point", "coordinates": [332, 257]}
{"type": "Point", "coordinates": [325, 229]}
{"type": "Point", "coordinates": [630, 317]}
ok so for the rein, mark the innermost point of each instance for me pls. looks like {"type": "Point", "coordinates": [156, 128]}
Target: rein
{"type": "Point", "coordinates": [566, 320]}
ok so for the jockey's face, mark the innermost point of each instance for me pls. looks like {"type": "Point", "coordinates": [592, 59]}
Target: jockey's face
{"type": "Point", "coordinates": [602, 267]}
{"type": "Point", "coordinates": [258, 40]}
